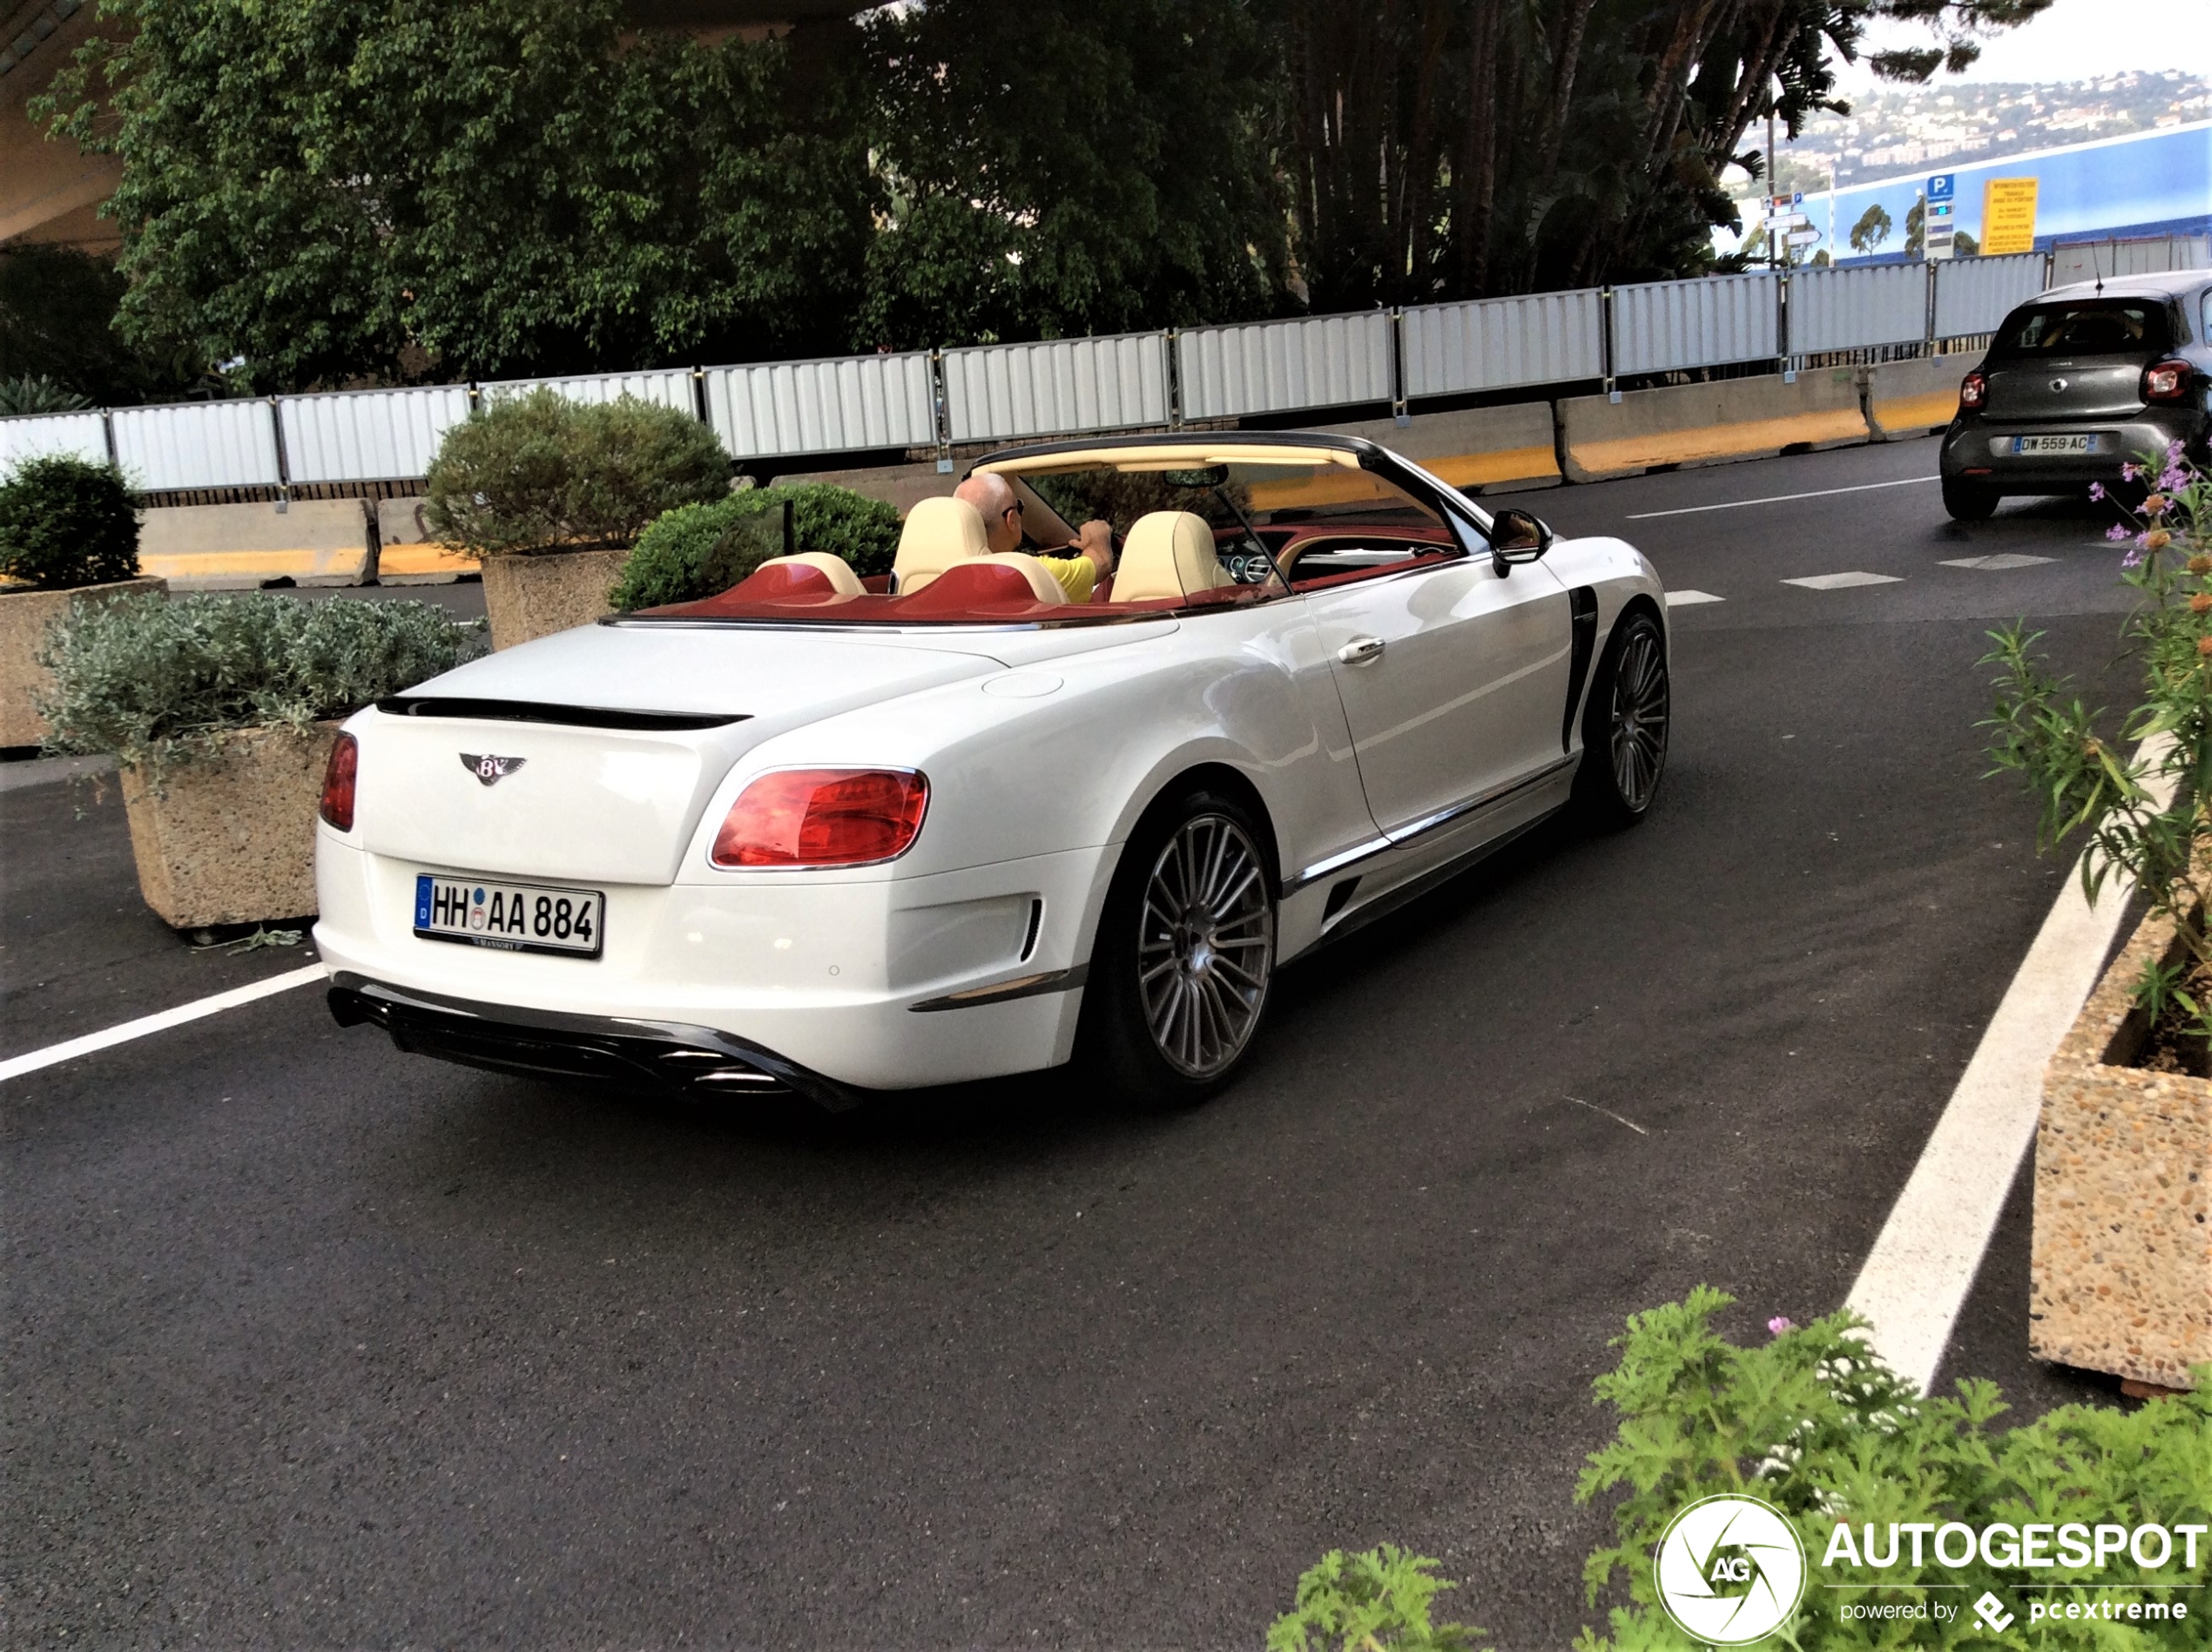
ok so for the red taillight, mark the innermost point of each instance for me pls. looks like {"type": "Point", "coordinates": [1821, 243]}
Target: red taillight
{"type": "Point", "coordinates": [2166, 381]}
{"type": "Point", "coordinates": [338, 783]}
{"type": "Point", "coordinates": [1973, 390]}
{"type": "Point", "coordinates": [822, 817]}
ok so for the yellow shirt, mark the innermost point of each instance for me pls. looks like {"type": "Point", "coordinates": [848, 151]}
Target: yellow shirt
{"type": "Point", "coordinates": [1077, 575]}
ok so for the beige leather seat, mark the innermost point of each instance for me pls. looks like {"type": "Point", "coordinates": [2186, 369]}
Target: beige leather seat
{"type": "Point", "coordinates": [1168, 553]}
{"type": "Point", "coordinates": [938, 533]}
{"type": "Point", "coordinates": [836, 570]}
{"type": "Point", "coordinates": [1043, 585]}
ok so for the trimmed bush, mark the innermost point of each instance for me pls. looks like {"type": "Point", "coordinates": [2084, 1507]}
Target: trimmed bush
{"type": "Point", "coordinates": [66, 523]}
{"type": "Point", "coordinates": [158, 682]}
{"type": "Point", "coordinates": [540, 473]}
{"type": "Point", "coordinates": [700, 550]}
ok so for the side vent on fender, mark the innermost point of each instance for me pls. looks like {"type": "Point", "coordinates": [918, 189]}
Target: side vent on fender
{"type": "Point", "coordinates": [1581, 608]}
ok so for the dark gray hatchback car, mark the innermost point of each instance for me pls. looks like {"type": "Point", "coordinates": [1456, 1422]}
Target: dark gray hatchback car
{"type": "Point", "coordinates": [2077, 381]}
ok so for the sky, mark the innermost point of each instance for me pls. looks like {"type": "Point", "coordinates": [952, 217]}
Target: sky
{"type": "Point", "coordinates": [2075, 40]}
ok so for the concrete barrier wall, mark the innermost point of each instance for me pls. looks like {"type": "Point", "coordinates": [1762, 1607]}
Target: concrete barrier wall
{"type": "Point", "coordinates": [1704, 424]}
{"type": "Point", "coordinates": [315, 541]}
{"type": "Point", "coordinates": [1913, 398]}
{"type": "Point", "coordinates": [1483, 449]}
{"type": "Point", "coordinates": [407, 554]}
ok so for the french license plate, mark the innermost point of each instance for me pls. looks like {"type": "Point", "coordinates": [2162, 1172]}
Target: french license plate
{"type": "Point", "coordinates": [515, 917]}
{"type": "Point", "coordinates": [2054, 444]}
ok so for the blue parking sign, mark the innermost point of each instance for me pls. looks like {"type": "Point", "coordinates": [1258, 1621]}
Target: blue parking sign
{"type": "Point", "coordinates": [1939, 186]}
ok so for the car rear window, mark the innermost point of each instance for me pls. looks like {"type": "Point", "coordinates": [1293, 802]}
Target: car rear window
{"type": "Point", "coordinates": [2087, 327]}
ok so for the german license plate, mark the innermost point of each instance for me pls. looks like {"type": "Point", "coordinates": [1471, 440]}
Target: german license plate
{"type": "Point", "coordinates": [2054, 444]}
{"type": "Point", "coordinates": [515, 917]}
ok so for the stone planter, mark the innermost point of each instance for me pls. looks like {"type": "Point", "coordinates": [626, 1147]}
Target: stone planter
{"type": "Point", "coordinates": [230, 839]}
{"type": "Point", "coordinates": [25, 617]}
{"type": "Point", "coordinates": [531, 597]}
{"type": "Point", "coordinates": [2120, 1275]}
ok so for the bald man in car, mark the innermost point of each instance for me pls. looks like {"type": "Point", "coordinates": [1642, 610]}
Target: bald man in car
{"type": "Point", "coordinates": [1078, 567]}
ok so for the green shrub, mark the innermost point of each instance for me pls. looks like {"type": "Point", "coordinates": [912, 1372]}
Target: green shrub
{"type": "Point", "coordinates": [36, 393]}
{"type": "Point", "coordinates": [1373, 1602]}
{"type": "Point", "coordinates": [66, 523]}
{"type": "Point", "coordinates": [1815, 1425]}
{"type": "Point", "coordinates": [700, 550]}
{"type": "Point", "coordinates": [539, 473]}
{"type": "Point", "coordinates": [158, 682]}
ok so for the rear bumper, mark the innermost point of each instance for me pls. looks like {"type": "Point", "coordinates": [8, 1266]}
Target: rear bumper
{"type": "Point", "coordinates": [696, 1061]}
{"type": "Point", "coordinates": [1979, 450]}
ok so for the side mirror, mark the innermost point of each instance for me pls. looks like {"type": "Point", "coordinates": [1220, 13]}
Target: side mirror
{"type": "Point", "coordinates": [1516, 537]}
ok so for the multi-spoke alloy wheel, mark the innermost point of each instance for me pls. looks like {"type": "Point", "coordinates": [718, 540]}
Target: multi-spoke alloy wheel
{"type": "Point", "coordinates": [1205, 945]}
{"type": "Point", "coordinates": [1624, 731]}
{"type": "Point", "coordinates": [1639, 732]}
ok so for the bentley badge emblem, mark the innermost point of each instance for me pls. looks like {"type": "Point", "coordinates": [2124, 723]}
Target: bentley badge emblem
{"type": "Point", "coordinates": [2057, 385]}
{"type": "Point", "coordinates": [490, 769]}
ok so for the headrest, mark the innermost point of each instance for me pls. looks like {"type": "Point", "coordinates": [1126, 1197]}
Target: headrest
{"type": "Point", "coordinates": [1168, 553]}
{"type": "Point", "coordinates": [980, 580]}
{"type": "Point", "coordinates": [938, 532]}
{"type": "Point", "coordinates": [843, 581]}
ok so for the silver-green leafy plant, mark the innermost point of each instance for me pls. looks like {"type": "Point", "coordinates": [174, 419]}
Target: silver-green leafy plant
{"type": "Point", "coordinates": [2086, 781]}
{"type": "Point", "coordinates": [1378, 1601]}
{"type": "Point", "coordinates": [159, 682]}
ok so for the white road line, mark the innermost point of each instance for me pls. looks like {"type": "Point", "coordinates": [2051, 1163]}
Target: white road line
{"type": "Point", "coordinates": [16, 1066]}
{"type": "Point", "coordinates": [1844, 582]}
{"type": "Point", "coordinates": [2002, 559]}
{"type": "Point", "coordinates": [1780, 498]}
{"type": "Point", "coordinates": [1922, 1266]}
{"type": "Point", "coordinates": [1691, 599]}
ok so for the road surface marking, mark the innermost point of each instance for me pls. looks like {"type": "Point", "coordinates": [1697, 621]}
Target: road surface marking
{"type": "Point", "coordinates": [2002, 560]}
{"type": "Point", "coordinates": [1691, 599]}
{"type": "Point", "coordinates": [1844, 582]}
{"type": "Point", "coordinates": [1922, 1266]}
{"type": "Point", "coordinates": [1780, 498]}
{"type": "Point", "coordinates": [16, 1066]}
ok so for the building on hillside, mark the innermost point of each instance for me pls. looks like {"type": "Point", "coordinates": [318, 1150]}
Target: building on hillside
{"type": "Point", "coordinates": [51, 191]}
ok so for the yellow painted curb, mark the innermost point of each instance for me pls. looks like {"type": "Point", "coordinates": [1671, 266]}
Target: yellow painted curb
{"type": "Point", "coordinates": [1507, 464]}
{"type": "Point", "coordinates": [333, 567]}
{"type": "Point", "coordinates": [1930, 412]}
{"type": "Point", "coordinates": [1719, 441]}
{"type": "Point", "coordinates": [424, 559]}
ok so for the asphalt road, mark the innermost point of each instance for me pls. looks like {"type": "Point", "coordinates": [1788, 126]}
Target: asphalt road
{"type": "Point", "coordinates": [313, 1344]}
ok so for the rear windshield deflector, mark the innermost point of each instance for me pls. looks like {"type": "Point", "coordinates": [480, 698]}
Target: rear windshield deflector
{"type": "Point", "coordinates": [585, 716]}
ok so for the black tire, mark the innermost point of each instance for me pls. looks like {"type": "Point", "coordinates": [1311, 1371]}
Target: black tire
{"type": "Point", "coordinates": [1969, 502]}
{"type": "Point", "coordinates": [1216, 966]}
{"type": "Point", "coordinates": [1625, 726]}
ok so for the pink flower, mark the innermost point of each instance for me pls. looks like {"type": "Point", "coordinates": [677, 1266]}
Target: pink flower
{"type": "Point", "coordinates": [2129, 471]}
{"type": "Point", "coordinates": [1780, 1323]}
{"type": "Point", "coordinates": [2117, 532]}
{"type": "Point", "coordinates": [2133, 559]}
{"type": "Point", "coordinates": [2096, 490]}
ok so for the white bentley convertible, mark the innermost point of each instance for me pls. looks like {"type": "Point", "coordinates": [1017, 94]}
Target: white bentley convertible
{"type": "Point", "coordinates": [829, 835]}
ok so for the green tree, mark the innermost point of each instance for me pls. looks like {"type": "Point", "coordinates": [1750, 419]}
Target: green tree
{"type": "Point", "coordinates": [330, 188]}
{"type": "Point", "coordinates": [1060, 168]}
{"type": "Point", "coordinates": [1872, 230]}
{"type": "Point", "coordinates": [1916, 228]}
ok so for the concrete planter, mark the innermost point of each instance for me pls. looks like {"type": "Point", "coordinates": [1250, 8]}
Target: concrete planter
{"type": "Point", "coordinates": [25, 617]}
{"type": "Point", "coordinates": [529, 596]}
{"type": "Point", "coordinates": [230, 839]}
{"type": "Point", "coordinates": [2120, 1275]}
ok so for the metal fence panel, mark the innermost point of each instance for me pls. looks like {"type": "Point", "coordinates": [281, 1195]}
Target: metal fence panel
{"type": "Point", "coordinates": [2085, 260]}
{"type": "Point", "coordinates": [1058, 387]}
{"type": "Point", "coordinates": [1282, 366]}
{"type": "Point", "coordinates": [1490, 344]}
{"type": "Point", "coordinates": [196, 444]}
{"type": "Point", "coordinates": [1974, 295]}
{"type": "Point", "coordinates": [1857, 308]}
{"type": "Point", "coordinates": [368, 435]}
{"type": "Point", "coordinates": [839, 406]}
{"type": "Point", "coordinates": [669, 387]}
{"type": "Point", "coordinates": [78, 436]}
{"type": "Point", "coordinates": [1661, 326]}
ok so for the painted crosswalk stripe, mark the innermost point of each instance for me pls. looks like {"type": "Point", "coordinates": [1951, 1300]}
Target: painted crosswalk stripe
{"type": "Point", "coordinates": [2002, 559]}
{"type": "Point", "coordinates": [1844, 582]}
{"type": "Point", "coordinates": [16, 1066]}
{"type": "Point", "coordinates": [1691, 599]}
